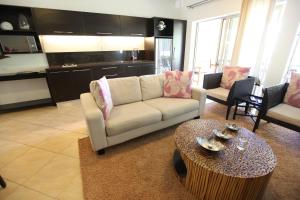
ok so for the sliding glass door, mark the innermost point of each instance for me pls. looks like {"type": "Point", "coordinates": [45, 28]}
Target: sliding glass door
{"type": "Point", "coordinates": [214, 44]}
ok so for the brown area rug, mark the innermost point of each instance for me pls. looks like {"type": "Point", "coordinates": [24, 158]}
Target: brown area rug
{"type": "Point", "coordinates": [142, 168]}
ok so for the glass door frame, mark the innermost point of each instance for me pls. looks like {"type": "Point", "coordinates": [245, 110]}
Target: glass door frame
{"type": "Point", "coordinates": [219, 38]}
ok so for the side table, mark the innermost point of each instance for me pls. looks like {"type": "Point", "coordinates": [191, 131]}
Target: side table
{"type": "Point", "coordinates": [248, 102]}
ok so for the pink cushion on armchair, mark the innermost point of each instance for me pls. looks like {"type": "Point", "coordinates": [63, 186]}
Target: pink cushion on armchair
{"type": "Point", "coordinates": [292, 96]}
{"type": "Point", "coordinates": [177, 84]}
{"type": "Point", "coordinates": [232, 74]}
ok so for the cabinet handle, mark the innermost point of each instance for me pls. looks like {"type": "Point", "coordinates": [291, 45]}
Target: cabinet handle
{"type": "Point", "coordinates": [103, 33]}
{"type": "Point", "coordinates": [105, 68]}
{"type": "Point", "coordinates": [129, 66]}
{"type": "Point", "coordinates": [137, 34]}
{"type": "Point", "coordinates": [59, 72]}
{"type": "Point", "coordinates": [81, 70]}
{"type": "Point", "coordinates": [64, 32]}
{"type": "Point", "coordinates": [112, 75]}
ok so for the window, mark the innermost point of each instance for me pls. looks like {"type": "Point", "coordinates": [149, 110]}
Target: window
{"type": "Point", "coordinates": [214, 42]}
{"type": "Point", "coordinates": [294, 63]}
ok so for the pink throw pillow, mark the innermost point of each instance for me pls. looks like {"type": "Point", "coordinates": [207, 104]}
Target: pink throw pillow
{"type": "Point", "coordinates": [292, 96]}
{"type": "Point", "coordinates": [232, 74]}
{"type": "Point", "coordinates": [106, 97]}
{"type": "Point", "coordinates": [177, 84]}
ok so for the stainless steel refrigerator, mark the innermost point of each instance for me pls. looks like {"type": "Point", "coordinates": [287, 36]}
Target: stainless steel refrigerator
{"type": "Point", "coordinates": [163, 54]}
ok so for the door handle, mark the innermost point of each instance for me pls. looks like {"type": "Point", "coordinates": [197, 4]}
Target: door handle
{"type": "Point", "coordinates": [103, 33]}
{"type": "Point", "coordinates": [106, 68]}
{"type": "Point", "coordinates": [81, 70]}
{"type": "Point", "coordinates": [136, 34]}
{"type": "Point", "coordinates": [112, 75]}
{"type": "Point", "coordinates": [63, 32]}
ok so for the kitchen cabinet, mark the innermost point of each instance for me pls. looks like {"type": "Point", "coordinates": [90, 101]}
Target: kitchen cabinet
{"type": "Point", "coordinates": [68, 83]}
{"type": "Point", "coordinates": [101, 24]}
{"type": "Point", "coordinates": [80, 79]}
{"type": "Point", "coordinates": [178, 44]}
{"type": "Point", "coordinates": [57, 22]}
{"type": "Point", "coordinates": [108, 71]}
{"type": "Point", "coordinates": [133, 26]}
{"type": "Point", "coordinates": [60, 85]}
{"type": "Point", "coordinates": [163, 27]}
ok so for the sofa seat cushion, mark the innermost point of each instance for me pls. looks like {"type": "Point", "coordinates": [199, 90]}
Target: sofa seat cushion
{"type": "Point", "coordinates": [173, 107]}
{"type": "Point", "coordinates": [218, 93]}
{"type": "Point", "coordinates": [285, 113]}
{"type": "Point", "coordinates": [131, 116]}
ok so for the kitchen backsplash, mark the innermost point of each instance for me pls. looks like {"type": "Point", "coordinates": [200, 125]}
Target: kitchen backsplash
{"type": "Point", "coordinates": [58, 59]}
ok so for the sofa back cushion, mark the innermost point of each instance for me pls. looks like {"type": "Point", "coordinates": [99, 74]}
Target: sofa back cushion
{"type": "Point", "coordinates": [232, 74]}
{"type": "Point", "coordinates": [178, 84]}
{"type": "Point", "coordinates": [125, 90]}
{"type": "Point", "coordinates": [292, 96]}
{"type": "Point", "coordinates": [152, 86]}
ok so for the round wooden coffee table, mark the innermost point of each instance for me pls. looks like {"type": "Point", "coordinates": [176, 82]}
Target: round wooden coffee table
{"type": "Point", "coordinates": [228, 174]}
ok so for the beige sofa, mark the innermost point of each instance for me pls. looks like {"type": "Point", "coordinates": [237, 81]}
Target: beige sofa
{"type": "Point", "coordinates": [139, 108]}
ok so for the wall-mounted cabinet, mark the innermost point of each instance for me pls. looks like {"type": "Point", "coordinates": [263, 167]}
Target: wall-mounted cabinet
{"type": "Point", "coordinates": [133, 26]}
{"type": "Point", "coordinates": [57, 22]}
{"type": "Point", "coordinates": [163, 27]}
{"type": "Point", "coordinates": [101, 24]}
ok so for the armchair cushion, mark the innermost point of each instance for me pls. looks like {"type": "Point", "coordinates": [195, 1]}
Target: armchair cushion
{"type": "Point", "coordinates": [292, 96]}
{"type": "Point", "coordinates": [285, 113]}
{"type": "Point", "coordinates": [131, 116]}
{"type": "Point", "coordinates": [219, 93]}
{"type": "Point", "coordinates": [173, 107]}
{"type": "Point", "coordinates": [232, 74]}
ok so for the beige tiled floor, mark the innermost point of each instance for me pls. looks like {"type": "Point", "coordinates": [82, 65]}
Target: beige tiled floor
{"type": "Point", "coordinates": [39, 152]}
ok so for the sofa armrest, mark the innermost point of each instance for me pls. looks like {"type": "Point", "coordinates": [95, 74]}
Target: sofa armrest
{"type": "Point", "coordinates": [95, 121]}
{"type": "Point", "coordinates": [274, 95]}
{"type": "Point", "coordinates": [199, 95]}
{"type": "Point", "coordinates": [212, 81]}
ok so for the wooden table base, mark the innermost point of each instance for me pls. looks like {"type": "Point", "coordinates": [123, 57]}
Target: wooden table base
{"type": "Point", "coordinates": [206, 184]}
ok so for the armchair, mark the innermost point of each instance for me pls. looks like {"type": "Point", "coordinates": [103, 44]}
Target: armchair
{"type": "Point", "coordinates": [224, 96]}
{"type": "Point", "coordinates": [275, 111]}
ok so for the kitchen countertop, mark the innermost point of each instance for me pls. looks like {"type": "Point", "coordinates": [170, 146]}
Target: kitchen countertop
{"type": "Point", "coordinates": [105, 63]}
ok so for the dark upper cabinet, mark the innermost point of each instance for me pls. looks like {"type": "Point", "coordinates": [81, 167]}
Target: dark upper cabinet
{"type": "Point", "coordinates": [163, 27]}
{"type": "Point", "coordinates": [134, 26]}
{"type": "Point", "coordinates": [178, 44]}
{"type": "Point", "coordinates": [57, 22]}
{"type": "Point", "coordinates": [101, 24]}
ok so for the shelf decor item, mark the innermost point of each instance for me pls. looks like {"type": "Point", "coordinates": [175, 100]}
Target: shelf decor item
{"type": "Point", "coordinates": [6, 26]}
{"type": "Point", "coordinates": [23, 22]}
{"type": "Point", "coordinates": [161, 25]}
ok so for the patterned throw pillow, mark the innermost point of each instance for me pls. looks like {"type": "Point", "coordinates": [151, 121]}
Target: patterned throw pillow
{"type": "Point", "coordinates": [101, 93]}
{"type": "Point", "coordinates": [232, 74]}
{"type": "Point", "coordinates": [292, 96]}
{"type": "Point", "coordinates": [177, 84]}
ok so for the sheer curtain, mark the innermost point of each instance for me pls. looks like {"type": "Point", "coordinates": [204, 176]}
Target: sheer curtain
{"type": "Point", "coordinates": [253, 27]}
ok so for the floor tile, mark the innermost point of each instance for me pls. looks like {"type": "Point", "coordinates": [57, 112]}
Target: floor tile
{"type": "Point", "coordinates": [10, 151]}
{"type": "Point", "coordinates": [26, 165]}
{"type": "Point", "coordinates": [23, 193]}
{"type": "Point", "coordinates": [55, 176]}
{"type": "Point", "coordinates": [73, 191]}
{"type": "Point", "coordinates": [10, 188]}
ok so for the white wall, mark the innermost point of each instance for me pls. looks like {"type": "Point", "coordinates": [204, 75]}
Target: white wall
{"type": "Point", "coordinates": [280, 57]}
{"type": "Point", "coordinates": [142, 8]}
{"type": "Point", "coordinates": [213, 9]}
